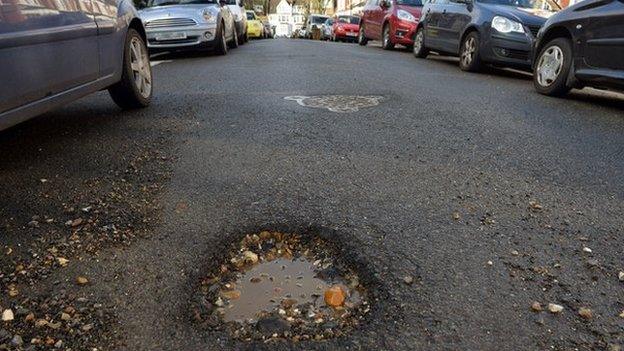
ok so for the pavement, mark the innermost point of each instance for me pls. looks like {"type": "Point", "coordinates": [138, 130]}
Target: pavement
{"type": "Point", "coordinates": [489, 195]}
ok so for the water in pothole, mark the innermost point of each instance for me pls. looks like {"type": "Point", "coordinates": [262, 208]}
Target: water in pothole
{"type": "Point", "coordinates": [271, 285]}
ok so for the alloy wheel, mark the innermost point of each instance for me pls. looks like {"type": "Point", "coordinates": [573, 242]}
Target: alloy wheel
{"type": "Point", "coordinates": [549, 66]}
{"type": "Point", "coordinates": [141, 70]}
{"type": "Point", "coordinates": [467, 55]}
{"type": "Point", "coordinates": [418, 41]}
{"type": "Point", "coordinates": [386, 36]}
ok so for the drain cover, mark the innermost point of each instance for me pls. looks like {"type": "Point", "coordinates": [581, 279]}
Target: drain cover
{"type": "Point", "coordinates": [337, 103]}
{"type": "Point", "coordinates": [276, 285]}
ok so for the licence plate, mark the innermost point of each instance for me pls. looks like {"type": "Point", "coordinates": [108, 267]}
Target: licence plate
{"type": "Point", "coordinates": [170, 36]}
{"type": "Point", "coordinates": [351, 34]}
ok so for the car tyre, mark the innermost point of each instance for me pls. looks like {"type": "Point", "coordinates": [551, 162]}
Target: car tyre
{"type": "Point", "coordinates": [362, 40]}
{"type": "Point", "coordinates": [387, 43]}
{"type": "Point", "coordinates": [134, 90]}
{"type": "Point", "coordinates": [469, 54]}
{"type": "Point", "coordinates": [221, 47]}
{"type": "Point", "coordinates": [234, 43]}
{"type": "Point", "coordinates": [552, 68]}
{"type": "Point", "coordinates": [419, 48]}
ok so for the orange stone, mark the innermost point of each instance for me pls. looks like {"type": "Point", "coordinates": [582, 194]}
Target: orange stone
{"type": "Point", "coordinates": [334, 296]}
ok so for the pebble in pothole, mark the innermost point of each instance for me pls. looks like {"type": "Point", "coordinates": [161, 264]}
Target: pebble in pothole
{"type": "Point", "coordinates": [276, 285]}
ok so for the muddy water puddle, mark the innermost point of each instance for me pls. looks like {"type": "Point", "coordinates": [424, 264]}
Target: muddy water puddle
{"type": "Point", "coordinates": [275, 285]}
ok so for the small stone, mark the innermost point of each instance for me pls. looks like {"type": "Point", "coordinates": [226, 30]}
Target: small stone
{"type": "Point", "coordinates": [87, 327]}
{"type": "Point", "coordinates": [288, 303]}
{"type": "Point", "coordinates": [622, 314]}
{"type": "Point", "coordinates": [7, 315]}
{"type": "Point", "coordinates": [272, 325]}
{"type": "Point", "coordinates": [219, 302]}
{"type": "Point", "coordinates": [554, 308]}
{"type": "Point", "coordinates": [537, 307]}
{"type": "Point", "coordinates": [621, 276]}
{"type": "Point", "coordinates": [62, 261]}
{"type": "Point", "coordinates": [535, 206]}
{"type": "Point", "coordinates": [65, 316]}
{"type": "Point", "coordinates": [514, 252]}
{"type": "Point", "coordinates": [29, 317]}
{"type": "Point", "coordinates": [250, 257]}
{"type": "Point", "coordinates": [41, 323]}
{"type": "Point", "coordinates": [587, 249]}
{"type": "Point", "coordinates": [456, 216]}
{"type": "Point", "coordinates": [585, 313]}
{"type": "Point", "coordinates": [408, 279]}
{"type": "Point", "coordinates": [592, 262]}
{"type": "Point", "coordinates": [58, 344]}
{"type": "Point", "coordinates": [82, 280]}
{"type": "Point", "coordinates": [334, 296]}
{"type": "Point", "coordinates": [17, 340]}
{"type": "Point", "coordinates": [489, 263]}
{"type": "Point", "coordinates": [76, 222]}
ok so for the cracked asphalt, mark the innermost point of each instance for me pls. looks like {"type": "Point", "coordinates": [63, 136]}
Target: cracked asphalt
{"type": "Point", "coordinates": [490, 196]}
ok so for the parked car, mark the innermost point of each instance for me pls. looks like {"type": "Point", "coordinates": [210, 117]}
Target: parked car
{"type": "Point", "coordinates": [54, 52]}
{"type": "Point", "coordinates": [255, 28]}
{"type": "Point", "coordinates": [482, 31]}
{"type": "Point", "coordinates": [313, 25]}
{"type": "Point", "coordinates": [326, 29]}
{"type": "Point", "coordinates": [173, 25]}
{"type": "Point", "coordinates": [580, 46]}
{"type": "Point", "coordinates": [345, 28]}
{"type": "Point", "coordinates": [268, 30]}
{"type": "Point", "coordinates": [237, 8]}
{"type": "Point", "coordinates": [391, 21]}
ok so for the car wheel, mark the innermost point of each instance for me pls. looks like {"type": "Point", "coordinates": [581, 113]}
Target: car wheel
{"type": "Point", "coordinates": [221, 47]}
{"type": "Point", "coordinates": [362, 40]}
{"type": "Point", "coordinates": [469, 56]}
{"type": "Point", "coordinates": [419, 48]}
{"type": "Point", "coordinates": [554, 63]}
{"type": "Point", "coordinates": [234, 43]}
{"type": "Point", "coordinates": [134, 90]}
{"type": "Point", "coordinates": [386, 42]}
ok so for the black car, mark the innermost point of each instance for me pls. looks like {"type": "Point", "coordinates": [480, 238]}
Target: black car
{"type": "Point", "coordinates": [482, 31]}
{"type": "Point", "coordinates": [582, 45]}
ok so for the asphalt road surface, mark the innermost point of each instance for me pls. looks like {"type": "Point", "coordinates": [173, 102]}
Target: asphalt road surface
{"type": "Point", "coordinates": [490, 196]}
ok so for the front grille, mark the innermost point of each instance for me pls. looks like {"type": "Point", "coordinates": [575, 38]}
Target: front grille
{"type": "Point", "coordinates": [534, 30]}
{"type": "Point", "coordinates": [170, 22]}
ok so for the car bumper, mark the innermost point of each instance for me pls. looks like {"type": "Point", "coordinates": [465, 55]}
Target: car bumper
{"type": "Point", "coordinates": [346, 35]}
{"type": "Point", "coordinates": [255, 32]}
{"type": "Point", "coordinates": [404, 32]}
{"type": "Point", "coordinates": [196, 37]}
{"type": "Point", "coordinates": [509, 50]}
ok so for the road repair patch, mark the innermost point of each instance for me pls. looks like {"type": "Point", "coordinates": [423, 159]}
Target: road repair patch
{"type": "Point", "coordinates": [337, 103]}
{"type": "Point", "coordinates": [275, 285]}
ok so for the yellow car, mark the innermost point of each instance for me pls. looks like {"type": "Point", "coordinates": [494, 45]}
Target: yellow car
{"type": "Point", "coordinates": [255, 28]}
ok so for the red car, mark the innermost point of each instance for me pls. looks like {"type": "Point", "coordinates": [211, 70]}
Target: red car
{"type": "Point", "coordinates": [391, 21]}
{"type": "Point", "coordinates": [345, 28]}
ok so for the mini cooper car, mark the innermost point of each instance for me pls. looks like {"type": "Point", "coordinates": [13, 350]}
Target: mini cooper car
{"type": "Point", "coordinates": [255, 28]}
{"type": "Point", "coordinates": [391, 21]}
{"type": "Point", "coordinates": [55, 52]}
{"type": "Point", "coordinates": [345, 28]}
{"type": "Point", "coordinates": [582, 45]}
{"type": "Point", "coordinates": [482, 31]}
{"type": "Point", "coordinates": [173, 25]}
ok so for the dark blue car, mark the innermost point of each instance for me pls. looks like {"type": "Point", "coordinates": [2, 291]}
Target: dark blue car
{"type": "Point", "coordinates": [54, 52]}
{"type": "Point", "coordinates": [498, 32]}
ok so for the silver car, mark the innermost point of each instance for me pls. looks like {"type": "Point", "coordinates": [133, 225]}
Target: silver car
{"type": "Point", "coordinates": [173, 25]}
{"type": "Point", "coordinates": [54, 52]}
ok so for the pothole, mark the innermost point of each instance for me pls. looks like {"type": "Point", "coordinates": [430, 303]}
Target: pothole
{"type": "Point", "coordinates": [338, 103]}
{"type": "Point", "coordinates": [282, 286]}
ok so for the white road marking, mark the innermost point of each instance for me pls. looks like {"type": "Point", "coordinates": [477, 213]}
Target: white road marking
{"type": "Point", "coordinates": [156, 63]}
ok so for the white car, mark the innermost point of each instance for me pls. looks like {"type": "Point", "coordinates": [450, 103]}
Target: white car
{"type": "Point", "coordinates": [237, 8]}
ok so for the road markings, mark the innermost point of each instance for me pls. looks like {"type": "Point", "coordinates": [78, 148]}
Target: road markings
{"type": "Point", "coordinates": [337, 103]}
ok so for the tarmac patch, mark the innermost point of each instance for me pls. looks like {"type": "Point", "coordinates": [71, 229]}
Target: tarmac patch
{"type": "Point", "coordinates": [337, 103]}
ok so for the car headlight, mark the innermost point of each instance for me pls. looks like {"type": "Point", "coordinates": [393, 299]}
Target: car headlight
{"type": "Point", "coordinates": [209, 15]}
{"type": "Point", "coordinates": [505, 25]}
{"type": "Point", "coordinates": [339, 28]}
{"type": "Point", "coordinates": [405, 16]}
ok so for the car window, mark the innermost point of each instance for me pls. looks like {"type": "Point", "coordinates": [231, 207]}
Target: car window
{"type": "Point", "coordinates": [548, 5]}
{"type": "Point", "coordinates": [349, 19]}
{"type": "Point", "coordinates": [152, 3]}
{"type": "Point", "coordinates": [409, 2]}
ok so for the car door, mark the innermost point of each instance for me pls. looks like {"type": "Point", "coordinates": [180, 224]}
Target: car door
{"type": "Point", "coordinates": [46, 47]}
{"type": "Point", "coordinates": [457, 17]}
{"type": "Point", "coordinates": [432, 22]}
{"type": "Point", "coordinates": [448, 29]}
{"type": "Point", "coordinates": [604, 33]}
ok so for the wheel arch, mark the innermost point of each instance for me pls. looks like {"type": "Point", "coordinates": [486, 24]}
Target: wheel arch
{"type": "Point", "coordinates": [553, 33]}
{"type": "Point", "coordinates": [137, 25]}
{"type": "Point", "coordinates": [469, 29]}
